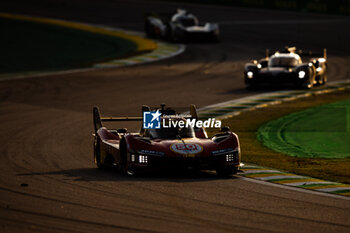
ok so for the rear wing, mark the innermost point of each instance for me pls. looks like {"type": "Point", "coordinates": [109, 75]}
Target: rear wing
{"type": "Point", "coordinates": [314, 54]}
{"type": "Point", "coordinates": [98, 119]}
{"type": "Point", "coordinates": [299, 52]}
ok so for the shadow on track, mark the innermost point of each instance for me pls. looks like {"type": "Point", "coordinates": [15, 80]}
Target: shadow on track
{"type": "Point", "coordinates": [94, 174]}
{"type": "Point", "coordinates": [266, 88]}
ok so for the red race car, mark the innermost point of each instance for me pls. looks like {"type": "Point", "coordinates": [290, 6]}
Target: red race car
{"type": "Point", "coordinates": [164, 148]}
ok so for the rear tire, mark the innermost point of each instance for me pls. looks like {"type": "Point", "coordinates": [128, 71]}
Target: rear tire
{"type": "Point", "coordinates": [321, 80]}
{"type": "Point", "coordinates": [97, 154]}
{"type": "Point", "coordinates": [251, 87]}
{"type": "Point", "coordinates": [308, 85]}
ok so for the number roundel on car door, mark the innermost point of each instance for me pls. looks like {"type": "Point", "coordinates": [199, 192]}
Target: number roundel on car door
{"type": "Point", "coordinates": [186, 148]}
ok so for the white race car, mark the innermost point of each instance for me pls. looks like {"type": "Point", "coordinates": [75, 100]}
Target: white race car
{"type": "Point", "coordinates": [181, 26]}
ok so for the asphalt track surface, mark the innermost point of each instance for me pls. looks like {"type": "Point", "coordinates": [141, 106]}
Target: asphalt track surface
{"type": "Point", "coordinates": [46, 126]}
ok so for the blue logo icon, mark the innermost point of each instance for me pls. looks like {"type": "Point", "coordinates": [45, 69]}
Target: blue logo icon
{"type": "Point", "coordinates": [151, 120]}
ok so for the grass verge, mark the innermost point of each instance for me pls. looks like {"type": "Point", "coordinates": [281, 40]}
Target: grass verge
{"type": "Point", "coordinates": [320, 132]}
{"type": "Point", "coordinates": [32, 44]}
{"type": "Point", "coordinates": [247, 124]}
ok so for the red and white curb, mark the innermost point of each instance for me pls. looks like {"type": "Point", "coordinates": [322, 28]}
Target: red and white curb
{"type": "Point", "coordinates": [235, 107]}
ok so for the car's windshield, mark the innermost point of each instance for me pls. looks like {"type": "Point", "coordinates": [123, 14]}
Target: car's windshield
{"type": "Point", "coordinates": [188, 21]}
{"type": "Point", "coordinates": [171, 133]}
{"type": "Point", "coordinates": [283, 62]}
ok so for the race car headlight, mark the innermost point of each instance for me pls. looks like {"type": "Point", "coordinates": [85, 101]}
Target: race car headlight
{"type": "Point", "coordinates": [250, 74]}
{"type": "Point", "coordinates": [230, 157]}
{"type": "Point", "coordinates": [143, 159]}
{"type": "Point", "coordinates": [301, 74]}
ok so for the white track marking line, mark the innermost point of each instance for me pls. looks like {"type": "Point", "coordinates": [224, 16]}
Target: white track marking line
{"type": "Point", "coordinates": [332, 189]}
{"type": "Point", "coordinates": [278, 177]}
{"type": "Point", "coordinates": [308, 183]}
{"type": "Point", "coordinates": [293, 188]}
{"type": "Point", "coordinates": [259, 171]}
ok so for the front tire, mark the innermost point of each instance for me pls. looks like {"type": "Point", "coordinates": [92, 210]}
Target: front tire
{"type": "Point", "coordinates": [308, 84]}
{"type": "Point", "coordinates": [226, 171]}
{"type": "Point", "coordinates": [126, 165]}
{"type": "Point", "coordinates": [251, 87]}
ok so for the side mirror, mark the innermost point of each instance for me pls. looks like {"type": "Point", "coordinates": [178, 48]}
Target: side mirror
{"type": "Point", "coordinates": [225, 129]}
{"type": "Point", "coordinates": [122, 130]}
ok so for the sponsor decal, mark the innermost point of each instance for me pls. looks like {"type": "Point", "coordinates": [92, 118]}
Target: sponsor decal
{"type": "Point", "coordinates": [151, 120]}
{"type": "Point", "coordinates": [151, 152]}
{"type": "Point", "coordinates": [223, 151]}
{"type": "Point", "coordinates": [209, 123]}
{"type": "Point", "coordinates": [186, 148]}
